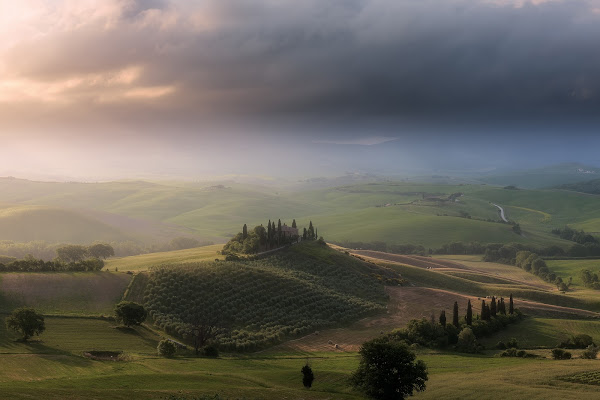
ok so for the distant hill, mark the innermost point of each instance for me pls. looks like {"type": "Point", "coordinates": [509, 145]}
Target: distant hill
{"type": "Point", "coordinates": [544, 177]}
{"type": "Point", "coordinates": [591, 187]}
{"type": "Point", "coordinates": [28, 223]}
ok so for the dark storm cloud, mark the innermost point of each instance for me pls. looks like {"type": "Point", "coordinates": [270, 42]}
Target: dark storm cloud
{"type": "Point", "coordinates": [393, 59]}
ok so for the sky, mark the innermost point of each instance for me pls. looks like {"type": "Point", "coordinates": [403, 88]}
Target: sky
{"type": "Point", "coordinates": [102, 89]}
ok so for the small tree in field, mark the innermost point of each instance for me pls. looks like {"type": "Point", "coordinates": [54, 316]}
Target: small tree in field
{"type": "Point", "coordinates": [166, 348]}
{"type": "Point", "coordinates": [130, 313]}
{"type": "Point", "coordinates": [388, 371]}
{"type": "Point", "coordinates": [27, 322]}
{"type": "Point", "coordinates": [455, 315]}
{"type": "Point", "coordinates": [307, 376]}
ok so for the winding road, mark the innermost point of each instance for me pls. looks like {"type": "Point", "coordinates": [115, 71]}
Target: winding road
{"type": "Point", "coordinates": [501, 212]}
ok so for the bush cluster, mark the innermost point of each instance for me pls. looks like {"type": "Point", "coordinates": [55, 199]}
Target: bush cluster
{"type": "Point", "coordinates": [462, 336]}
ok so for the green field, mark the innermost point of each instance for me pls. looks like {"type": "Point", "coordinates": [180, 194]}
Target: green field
{"type": "Point", "coordinates": [145, 261]}
{"type": "Point", "coordinates": [394, 212]}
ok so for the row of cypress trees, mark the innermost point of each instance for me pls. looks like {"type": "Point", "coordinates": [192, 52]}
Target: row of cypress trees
{"type": "Point", "coordinates": [487, 312]}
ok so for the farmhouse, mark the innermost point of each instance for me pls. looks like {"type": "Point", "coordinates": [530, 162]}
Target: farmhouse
{"type": "Point", "coordinates": [289, 231]}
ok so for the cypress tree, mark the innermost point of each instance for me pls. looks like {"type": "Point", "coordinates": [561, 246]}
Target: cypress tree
{"type": "Point", "coordinates": [502, 307]}
{"type": "Point", "coordinates": [304, 234]}
{"type": "Point", "coordinates": [311, 231]}
{"type": "Point", "coordinates": [294, 224]}
{"type": "Point", "coordinates": [493, 307]}
{"type": "Point", "coordinates": [307, 376]}
{"type": "Point", "coordinates": [273, 231]}
{"type": "Point", "coordinates": [245, 232]}
{"type": "Point", "coordinates": [455, 315]}
{"type": "Point", "coordinates": [483, 307]}
{"type": "Point", "coordinates": [469, 313]}
{"type": "Point", "coordinates": [511, 307]}
{"type": "Point", "coordinates": [269, 233]}
{"type": "Point", "coordinates": [443, 318]}
{"type": "Point", "coordinates": [278, 232]}
{"type": "Point", "coordinates": [316, 233]}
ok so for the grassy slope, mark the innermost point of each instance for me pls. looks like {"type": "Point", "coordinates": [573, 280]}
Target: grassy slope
{"type": "Point", "coordinates": [346, 212]}
{"type": "Point", "coordinates": [55, 369]}
{"type": "Point", "coordinates": [74, 293]}
{"type": "Point", "coordinates": [144, 261]}
{"type": "Point", "coordinates": [29, 223]}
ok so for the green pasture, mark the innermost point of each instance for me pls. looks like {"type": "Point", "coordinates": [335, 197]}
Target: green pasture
{"type": "Point", "coordinates": [144, 261]}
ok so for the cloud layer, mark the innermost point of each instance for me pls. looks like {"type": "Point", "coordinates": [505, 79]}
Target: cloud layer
{"type": "Point", "coordinates": [135, 64]}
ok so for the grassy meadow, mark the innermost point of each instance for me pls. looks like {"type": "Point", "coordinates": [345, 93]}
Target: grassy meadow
{"type": "Point", "coordinates": [54, 367]}
{"type": "Point", "coordinates": [394, 212]}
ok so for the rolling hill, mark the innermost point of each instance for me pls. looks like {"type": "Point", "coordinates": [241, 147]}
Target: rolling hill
{"type": "Point", "coordinates": [394, 212]}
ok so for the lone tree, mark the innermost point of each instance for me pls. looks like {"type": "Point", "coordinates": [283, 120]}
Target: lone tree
{"type": "Point", "coordinates": [26, 321]}
{"type": "Point", "coordinates": [307, 376]}
{"type": "Point", "coordinates": [469, 316]}
{"type": "Point", "coordinates": [130, 313]}
{"type": "Point", "coordinates": [203, 328]}
{"type": "Point", "coordinates": [244, 231]}
{"type": "Point", "coordinates": [388, 371]}
{"type": "Point", "coordinates": [511, 307]}
{"type": "Point", "coordinates": [455, 315]}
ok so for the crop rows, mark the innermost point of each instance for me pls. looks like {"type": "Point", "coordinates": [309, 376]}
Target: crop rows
{"type": "Point", "coordinates": [263, 301]}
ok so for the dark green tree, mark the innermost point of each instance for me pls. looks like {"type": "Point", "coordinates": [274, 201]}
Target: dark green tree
{"type": "Point", "coordinates": [493, 307]}
{"type": "Point", "coordinates": [166, 348]}
{"type": "Point", "coordinates": [469, 316]}
{"type": "Point", "coordinates": [26, 321]}
{"type": "Point", "coordinates": [130, 313]}
{"type": "Point", "coordinates": [101, 250]}
{"type": "Point", "coordinates": [455, 315]}
{"type": "Point", "coordinates": [483, 307]}
{"type": "Point", "coordinates": [502, 306]}
{"type": "Point", "coordinates": [511, 307]}
{"type": "Point", "coordinates": [294, 224]}
{"type": "Point", "coordinates": [307, 376]}
{"type": "Point", "coordinates": [443, 318]}
{"type": "Point", "coordinates": [311, 231]}
{"type": "Point", "coordinates": [72, 253]}
{"type": "Point", "coordinates": [388, 371]}
{"type": "Point", "coordinates": [244, 232]}
{"type": "Point", "coordinates": [304, 235]}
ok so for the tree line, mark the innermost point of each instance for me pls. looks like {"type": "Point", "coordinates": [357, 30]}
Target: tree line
{"type": "Point", "coordinates": [462, 332]}
{"type": "Point", "coordinates": [11, 250]}
{"type": "Point", "coordinates": [68, 258]}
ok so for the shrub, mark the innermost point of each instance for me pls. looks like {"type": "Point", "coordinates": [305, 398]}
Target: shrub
{"type": "Point", "coordinates": [500, 345]}
{"type": "Point", "coordinates": [467, 341]}
{"type": "Point", "coordinates": [166, 348]}
{"type": "Point", "coordinates": [560, 354]}
{"type": "Point", "coordinates": [590, 352]}
{"type": "Point", "coordinates": [130, 313]}
{"type": "Point", "coordinates": [512, 343]}
{"type": "Point", "coordinates": [307, 376]}
{"type": "Point", "coordinates": [211, 350]}
{"type": "Point", "coordinates": [580, 341]}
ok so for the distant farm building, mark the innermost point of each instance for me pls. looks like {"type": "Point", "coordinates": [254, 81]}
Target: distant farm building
{"type": "Point", "coordinates": [289, 231]}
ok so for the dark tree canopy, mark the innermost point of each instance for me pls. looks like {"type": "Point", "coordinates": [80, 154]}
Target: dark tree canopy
{"type": "Point", "coordinates": [72, 252]}
{"type": "Point", "coordinates": [130, 313]}
{"type": "Point", "coordinates": [101, 250]}
{"type": "Point", "coordinates": [307, 376]}
{"type": "Point", "coordinates": [388, 371]}
{"type": "Point", "coordinates": [469, 317]}
{"type": "Point", "coordinates": [455, 315]}
{"type": "Point", "coordinates": [26, 321]}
